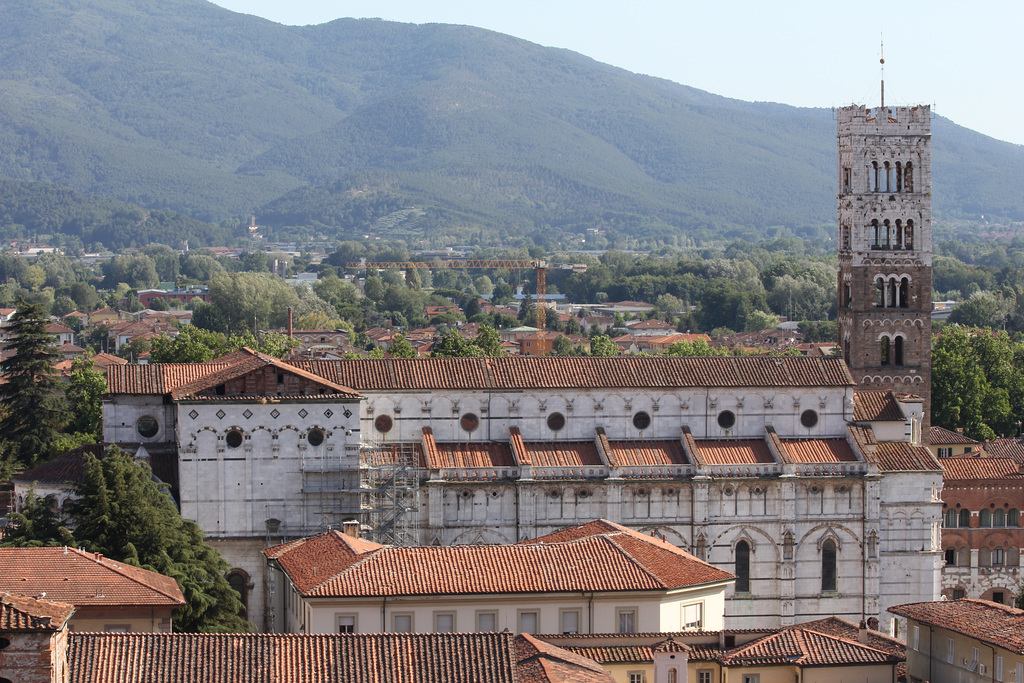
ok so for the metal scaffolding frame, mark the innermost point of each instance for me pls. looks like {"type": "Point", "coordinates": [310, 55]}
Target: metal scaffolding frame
{"type": "Point", "coordinates": [390, 480]}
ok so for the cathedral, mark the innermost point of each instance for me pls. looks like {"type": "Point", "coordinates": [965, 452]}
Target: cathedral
{"type": "Point", "coordinates": [805, 477]}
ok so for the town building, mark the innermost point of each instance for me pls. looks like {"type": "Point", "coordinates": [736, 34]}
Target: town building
{"type": "Point", "coordinates": [945, 443]}
{"type": "Point", "coordinates": [33, 639]}
{"type": "Point", "coordinates": [885, 247]}
{"type": "Point", "coordinates": [597, 577]}
{"type": "Point", "coordinates": [963, 640]}
{"type": "Point", "coordinates": [106, 595]}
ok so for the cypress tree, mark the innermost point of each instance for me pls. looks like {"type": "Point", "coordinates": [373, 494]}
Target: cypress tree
{"type": "Point", "coordinates": [31, 397]}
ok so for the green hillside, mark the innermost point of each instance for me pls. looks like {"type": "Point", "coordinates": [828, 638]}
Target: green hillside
{"type": "Point", "coordinates": [362, 126]}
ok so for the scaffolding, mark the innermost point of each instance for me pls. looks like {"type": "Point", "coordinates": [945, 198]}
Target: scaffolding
{"type": "Point", "coordinates": [390, 481]}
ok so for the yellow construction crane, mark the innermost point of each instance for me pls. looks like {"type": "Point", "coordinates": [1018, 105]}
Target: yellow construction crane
{"type": "Point", "coordinates": [540, 265]}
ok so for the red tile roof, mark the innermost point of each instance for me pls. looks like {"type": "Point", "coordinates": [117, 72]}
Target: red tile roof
{"type": "Point", "coordinates": [517, 373]}
{"type": "Point", "coordinates": [475, 454]}
{"type": "Point", "coordinates": [876, 406]}
{"type": "Point", "coordinates": [900, 456]}
{"type": "Point", "coordinates": [97, 580]}
{"type": "Point", "coordinates": [973, 469]}
{"type": "Point", "coordinates": [562, 454]}
{"type": "Point", "coordinates": [989, 622]}
{"type": "Point", "coordinates": [819, 450]}
{"type": "Point", "coordinates": [843, 628]}
{"type": "Point", "coordinates": [64, 469]}
{"type": "Point", "coordinates": [600, 556]}
{"type": "Point", "coordinates": [803, 647]}
{"type": "Point", "coordinates": [1006, 448]}
{"type": "Point", "coordinates": [645, 453]}
{"type": "Point", "coordinates": [539, 661]}
{"type": "Point", "coordinates": [733, 452]}
{"type": "Point", "coordinates": [156, 378]}
{"type": "Point", "coordinates": [940, 436]}
{"type": "Point", "coordinates": [327, 658]}
{"type": "Point", "coordinates": [20, 613]}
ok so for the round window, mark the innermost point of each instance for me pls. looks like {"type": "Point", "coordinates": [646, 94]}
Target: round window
{"type": "Point", "coordinates": [726, 419]}
{"type": "Point", "coordinates": [315, 437]}
{"type": "Point", "coordinates": [147, 426]}
{"type": "Point", "coordinates": [234, 438]}
{"type": "Point", "coordinates": [383, 423]}
{"type": "Point", "coordinates": [556, 421]}
{"type": "Point", "coordinates": [808, 418]}
{"type": "Point", "coordinates": [470, 422]}
{"type": "Point", "coordinates": [642, 420]}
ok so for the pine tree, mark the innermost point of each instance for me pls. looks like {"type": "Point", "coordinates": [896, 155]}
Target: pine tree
{"type": "Point", "coordinates": [32, 398]}
{"type": "Point", "coordinates": [121, 512]}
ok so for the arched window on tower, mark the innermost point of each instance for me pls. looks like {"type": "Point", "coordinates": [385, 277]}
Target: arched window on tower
{"type": "Point", "coordinates": [899, 235]}
{"type": "Point", "coordinates": [888, 183]}
{"type": "Point", "coordinates": [899, 177]}
{"type": "Point", "coordinates": [965, 518]}
{"type": "Point", "coordinates": [908, 236]}
{"type": "Point", "coordinates": [829, 578]}
{"type": "Point", "coordinates": [884, 351]}
{"type": "Point", "coordinates": [847, 295]}
{"type": "Point", "coordinates": [880, 293]}
{"type": "Point", "coordinates": [897, 347]}
{"type": "Point", "coordinates": [876, 235]}
{"type": "Point", "coordinates": [905, 293]}
{"type": "Point", "coordinates": [893, 291]}
{"type": "Point", "coordinates": [887, 237]}
{"type": "Point", "coordinates": [908, 178]}
{"type": "Point", "coordinates": [742, 569]}
{"type": "Point", "coordinates": [876, 176]}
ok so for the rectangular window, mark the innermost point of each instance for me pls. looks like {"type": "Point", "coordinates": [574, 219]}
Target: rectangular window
{"type": "Point", "coordinates": [945, 452]}
{"type": "Point", "coordinates": [486, 622]}
{"type": "Point", "coordinates": [528, 622]}
{"type": "Point", "coordinates": [571, 621]}
{"type": "Point", "coordinates": [999, 668]}
{"type": "Point", "coordinates": [959, 593]}
{"type": "Point", "coordinates": [693, 616]}
{"type": "Point", "coordinates": [627, 620]}
{"type": "Point", "coordinates": [346, 623]}
{"type": "Point", "coordinates": [704, 676]}
{"type": "Point", "coordinates": [917, 637]}
{"type": "Point", "coordinates": [444, 622]}
{"type": "Point", "coordinates": [950, 650]}
{"type": "Point", "coordinates": [401, 623]}
{"type": "Point", "coordinates": [751, 678]}
{"type": "Point", "coordinates": [974, 659]}
{"type": "Point", "coordinates": [637, 677]}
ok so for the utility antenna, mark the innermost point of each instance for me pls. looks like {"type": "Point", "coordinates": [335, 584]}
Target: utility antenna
{"type": "Point", "coordinates": [881, 60]}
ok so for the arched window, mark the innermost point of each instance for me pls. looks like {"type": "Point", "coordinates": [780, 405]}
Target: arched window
{"type": "Point", "coordinates": [880, 293]}
{"type": "Point", "coordinates": [949, 520]}
{"type": "Point", "coordinates": [905, 293]}
{"type": "Point", "coordinates": [875, 176]}
{"type": "Point", "coordinates": [897, 347]}
{"type": "Point", "coordinates": [893, 293]}
{"type": "Point", "coordinates": [787, 546]}
{"type": "Point", "coordinates": [847, 295]}
{"type": "Point", "coordinates": [888, 234]}
{"type": "Point", "coordinates": [239, 582]}
{"type": "Point", "coordinates": [742, 569]}
{"type": "Point", "coordinates": [829, 578]}
{"type": "Point", "coordinates": [908, 178]}
{"type": "Point", "coordinates": [908, 236]}
{"type": "Point", "coordinates": [889, 182]}
{"type": "Point", "coordinates": [950, 557]}
{"type": "Point", "coordinates": [699, 548]}
{"type": "Point", "coordinates": [876, 235]}
{"type": "Point", "coordinates": [985, 517]}
{"type": "Point", "coordinates": [899, 177]}
{"type": "Point", "coordinates": [899, 235]}
{"type": "Point", "coordinates": [1012, 517]}
{"type": "Point", "coordinates": [998, 517]}
{"type": "Point", "coordinates": [965, 519]}
{"type": "Point", "coordinates": [884, 351]}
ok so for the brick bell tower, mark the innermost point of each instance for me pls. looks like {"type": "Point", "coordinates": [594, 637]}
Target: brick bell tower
{"type": "Point", "coordinates": [885, 248]}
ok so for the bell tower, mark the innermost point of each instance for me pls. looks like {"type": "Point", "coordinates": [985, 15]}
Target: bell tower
{"type": "Point", "coordinates": [885, 248]}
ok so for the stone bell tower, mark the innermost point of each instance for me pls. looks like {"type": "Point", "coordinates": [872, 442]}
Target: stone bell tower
{"type": "Point", "coordinates": [885, 248]}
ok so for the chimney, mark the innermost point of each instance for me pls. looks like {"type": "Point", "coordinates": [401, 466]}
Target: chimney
{"type": "Point", "coordinates": [862, 633]}
{"type": "Point", "coordinates": [350, 528]}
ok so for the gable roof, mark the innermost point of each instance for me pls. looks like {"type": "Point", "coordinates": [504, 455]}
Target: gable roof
{"type": "Point", "coordinates": [876, 406]}
{"type": "Point", "coordinates": [804, 647]}
{"type": "Point", "coordinates": [21, 613]}
{"type": "Point", "coordinates": [844, 628]}
{"type": "Point", "coordinates": [65, 469]}
{"type": "Point", "coordinates": [1010, 447]}
{"type": "Point", "coordinates": [98, 580]}
{"type": "Point", "coordinates": [600, 556]}
{"type": "Point", "coordinates": [900, 456]}
{"type": "Point", "coordinates": [540, 661]}
{"type": "Point", "coordinates": [942, 436]}
{"type": "Point", "coordinates": [973, 469]}
{"type": "Point", "coordinates": [989, 622]}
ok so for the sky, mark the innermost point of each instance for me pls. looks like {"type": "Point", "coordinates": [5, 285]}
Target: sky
{"type": "Point", "coordinates": [965, 61]}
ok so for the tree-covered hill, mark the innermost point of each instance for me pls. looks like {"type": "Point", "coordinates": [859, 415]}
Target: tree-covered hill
{"type": "Point", "coordinates": [365, 125]}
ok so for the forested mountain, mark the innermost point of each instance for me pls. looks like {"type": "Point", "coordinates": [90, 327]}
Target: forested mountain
{"type": "Point", "coordinates": [361, 126]}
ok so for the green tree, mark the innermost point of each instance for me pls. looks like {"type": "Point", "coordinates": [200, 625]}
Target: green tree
{"type": "Point", "coordinates": [400, 348]}
{"type": "Point", "coordinates": [561, 346]}
{"type": "Point", "coordinates": [248, 300]}
{"type": "Point", "coordinates": [698, 347]}
{"type": "Point", "coordinates": [489, 341]}
{"type": "Point", "coordinates": [192, 345]}
{"type": "Point", "coordinates": [453, 345]}
{"type": "Point", "coordinates": [38, 524]}
{"type": "Point", "coordinates": [602, 345]}
{"type": "Point", "coordinates": [31, 397]}
{"type": "Point", "coordinates": [121, 512]}
{"type": "Point", "coordinates": [84, 395]}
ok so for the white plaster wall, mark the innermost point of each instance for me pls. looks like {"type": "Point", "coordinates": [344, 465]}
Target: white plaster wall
{"type": "Point", "coordinates": [122, 412]}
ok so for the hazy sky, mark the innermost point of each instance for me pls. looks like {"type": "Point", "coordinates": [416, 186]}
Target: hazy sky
{"type": "Point", "coordinates": [964, 60]}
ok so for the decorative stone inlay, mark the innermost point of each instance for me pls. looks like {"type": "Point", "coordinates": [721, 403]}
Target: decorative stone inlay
{"type": "Point", "coordinates": [247, 413]}
{"type": "Point", "coordinates": [193, 414]}
{"type": "Point", "coordinates": [221, 414]}
{"type": "Point", "coordinates": [275, 413]}
{"type": "Point", "coordinates": [347, 413]}
{"type": "Point", "coordinates": [303, 413]}
{"type": "Point", "coordinates": [328, 413]}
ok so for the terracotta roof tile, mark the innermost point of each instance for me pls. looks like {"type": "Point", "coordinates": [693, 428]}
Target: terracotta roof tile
{"type": "Point", "coordinates": [98, 580]}
{"type": "Point", "coordinates": [615, 654]}
{"type": "Point", "coordinates": [819, 450]}
{"type": "Point", "coordinates": [642, 452]}
{"type": "Point", "coordinates": [734, 452]}
{"type": "Point", "coordinates": [156, 378]}
{"type": "Point", "coordinates": [513, 372]}
{"type": "Point", "coordinates": [269, 658]}
{"type": "Point", "coordinates": [563, 454]}
{"type": "Point", "coordinates": [21, 613]}
{"type": "Point", "coordinates": [843, 628]}
{"type": "Point", "coordinates": [1006, 448]}
{"type": "Point", "coordinates": [876, 406]}
{"type": "Point", "coordinates": [474, 454]}
{"type": "Point", "coordinates": [989, 622]}
{"type": "Point", "coordinates": [804, 647]}
{"type": "Point", "coordinates": [941, 436]}
{"type": "Point", "coordinates": [900, 456]}
{"type": "Point", "coordinates": [980, 468]}
{"type": "Point", "coordinates": [63, 470]}
{"type": "Point", "coordinates": [601, 556]}
{"type": "Point", "coordinates": [540, 662]}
